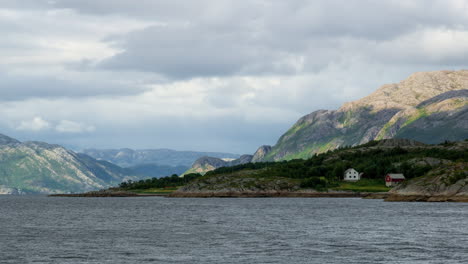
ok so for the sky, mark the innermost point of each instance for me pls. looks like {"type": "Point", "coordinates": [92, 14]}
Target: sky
{"type": "Point", "coordinates": [207, 75]}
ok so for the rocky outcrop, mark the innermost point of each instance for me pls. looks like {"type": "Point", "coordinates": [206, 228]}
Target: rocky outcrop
{"type": "Point", "coordinates": [242, 181]}
{"type": "Point", "coordinates": [399, 142]}
{"type": "Point", "coordinates": [271, 193]}
{"type": "Point", "coordinates": [38, 167]}
{"type": "Point", "coordinates": [261, 152]}
{"type": "Point", "coordinates": [205, 164]}
{"type": "Point", "coordinates": [448, 182]}
{"type": "Point", "coordinates": [242, 160]}
{"type": "Point", "coordinates": [428, 106]}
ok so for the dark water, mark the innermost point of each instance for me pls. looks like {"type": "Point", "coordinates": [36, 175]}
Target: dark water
{"type": "Point", "coordinates": [271, 230]}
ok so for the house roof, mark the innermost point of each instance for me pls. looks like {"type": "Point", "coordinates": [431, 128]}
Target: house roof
{"type": "Point", "coordinates": [349, 170]}
{"type": "Point", "coordinates": [396, 176]}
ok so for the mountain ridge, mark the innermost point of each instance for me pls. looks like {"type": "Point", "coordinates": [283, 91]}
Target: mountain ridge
{"type": "Point", "coordinates": [423, 100]}
{"type": "Point", "coordinates": [39, 167]}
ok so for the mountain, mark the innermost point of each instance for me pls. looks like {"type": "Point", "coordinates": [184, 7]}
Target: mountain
{"type": "Point", "coordinates": [38, 167]}
{"type": "Point", "coordinates": [430, 107]}
{"type": "Point", "coordinates": [261, 152]}
{"type": "Point", "coordinates": [205, 164]}
{"type": "Point", "coordinates": [129, 157]}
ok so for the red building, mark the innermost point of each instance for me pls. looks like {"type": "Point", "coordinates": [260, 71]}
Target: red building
{"type": "Point", "coordinates": [393, 179]}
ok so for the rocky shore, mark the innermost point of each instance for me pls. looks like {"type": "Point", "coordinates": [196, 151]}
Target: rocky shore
{"type": "Point", "coordinates": [106, 194]}
{"type": "Point", "coordinates": [231, 194]}
{"type": "Point", "coordinates": [250, 194]}
{"type": "Point", "coordinates": [426, 198]}
{"type": "Point", "coordinates": [448, 183]}
{"type": "Point", "coordinates": [388, 197]}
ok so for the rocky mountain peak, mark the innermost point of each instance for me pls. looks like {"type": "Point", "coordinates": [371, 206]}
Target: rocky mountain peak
{"type": "Point", "coordinates": [410, 92]}
{"type": "Point", "coordinates": [261, 152]}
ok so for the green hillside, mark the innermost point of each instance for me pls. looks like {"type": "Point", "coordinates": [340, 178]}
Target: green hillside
{"type": "Point", "coordinates": [37, 167]}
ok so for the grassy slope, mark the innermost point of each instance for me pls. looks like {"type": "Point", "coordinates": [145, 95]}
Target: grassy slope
{"type": "Point", "coordinates": [364, 185]}
{"type": "Point", "coordinates": [411, 126]}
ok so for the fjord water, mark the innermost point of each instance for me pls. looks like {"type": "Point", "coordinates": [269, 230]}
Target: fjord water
{"type": "Point", "coordinates": [38, 229]}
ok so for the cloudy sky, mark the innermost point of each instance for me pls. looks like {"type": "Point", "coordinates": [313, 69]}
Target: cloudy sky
{"type": "Point", "coordinates": [212, 75]}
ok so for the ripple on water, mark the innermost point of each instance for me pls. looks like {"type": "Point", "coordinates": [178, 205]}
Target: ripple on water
{"type": "Point", "coordinates": [37, 229]}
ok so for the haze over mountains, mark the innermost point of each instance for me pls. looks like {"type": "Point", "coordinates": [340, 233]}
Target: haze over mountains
{"type": "Point", "coordinates": [428, 106]}
{"type": "Point", "coordinates": [154, 162]}
{"type": "Point", "coordinates": [126, 157]}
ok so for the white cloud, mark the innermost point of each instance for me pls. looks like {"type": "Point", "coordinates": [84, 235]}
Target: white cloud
{"type": "Point", "coordinates": [67, 126]}
{"type": "Point", "coordinates": [35, 124]}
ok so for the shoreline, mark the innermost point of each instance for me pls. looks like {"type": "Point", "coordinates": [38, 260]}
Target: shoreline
{"type": "Point", "coordinates": [107, 194]}
{"type": "Point", "coordinates": [387, 197]}
{"type": "Point", "coordinates": [427, 198]}
{"type": "Point", "coordinates": [267, 194]}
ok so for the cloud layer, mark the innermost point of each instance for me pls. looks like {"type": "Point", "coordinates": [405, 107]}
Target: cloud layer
{"type": "Point", "coordinates": [207, 75]}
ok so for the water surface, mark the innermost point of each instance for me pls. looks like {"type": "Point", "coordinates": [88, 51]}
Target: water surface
{"type": "Point", "coordinates": [37, 229]}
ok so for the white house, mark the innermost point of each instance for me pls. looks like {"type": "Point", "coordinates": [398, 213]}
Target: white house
{"type": "Point", "coordinates": [351, 175]}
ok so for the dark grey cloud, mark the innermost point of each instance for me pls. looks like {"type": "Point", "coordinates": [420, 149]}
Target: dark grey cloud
{"type": "Point", "coordinates": [191, 50]}
{"type": "Point", "coordinates": [17, 87]}
{"type": "Point", "coordinates": [272, 37]}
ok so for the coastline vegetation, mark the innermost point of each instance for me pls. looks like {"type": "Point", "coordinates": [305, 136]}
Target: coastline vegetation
{"type": "Point", "coordinates": [156, 185]}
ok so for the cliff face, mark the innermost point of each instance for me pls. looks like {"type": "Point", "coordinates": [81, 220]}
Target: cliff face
{"type": "Point", "coordinates": [38, 167]}
{"type": "Point", "coordinates": [261, 153]}
{"type": "Point", "coordinates": [428, 106]}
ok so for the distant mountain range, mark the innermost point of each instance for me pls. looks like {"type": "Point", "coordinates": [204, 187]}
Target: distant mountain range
{"type": "Point", "coordinates": [430, 107]}
{"type": "Point", "coordinates": [154, 162]}
{"type": "Point", "coordinates": [38, 167]}
{"type": "Point", "coordinates": [129, 157]}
